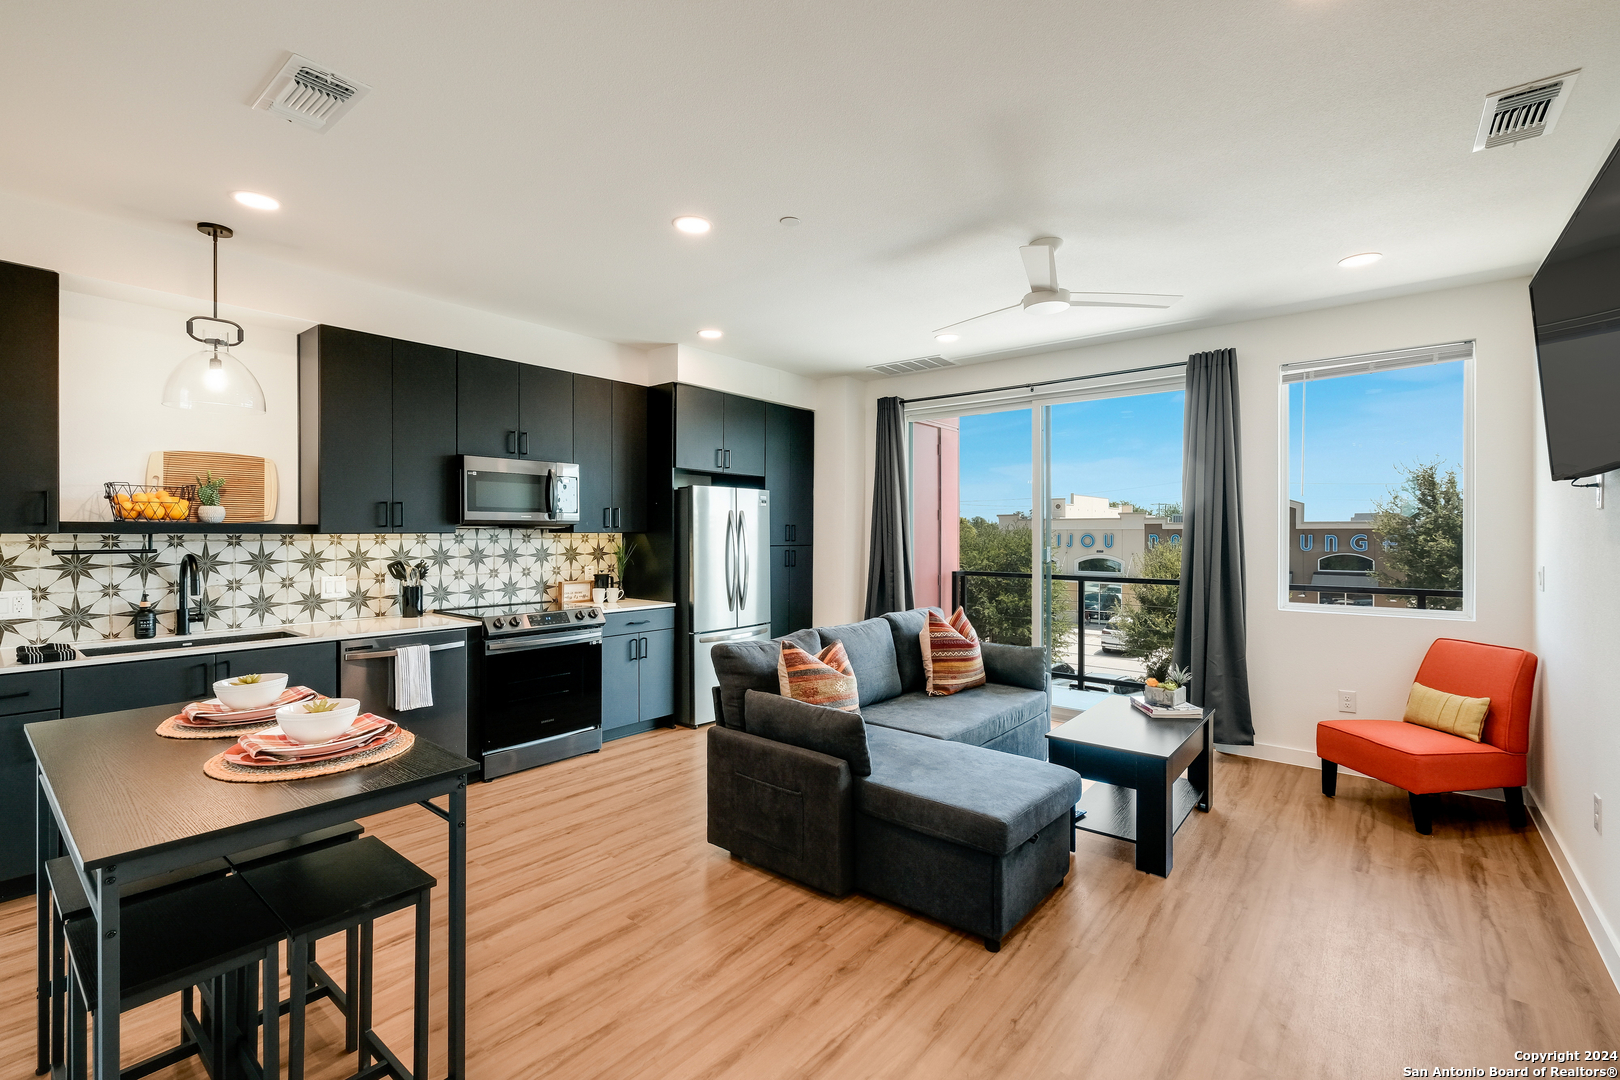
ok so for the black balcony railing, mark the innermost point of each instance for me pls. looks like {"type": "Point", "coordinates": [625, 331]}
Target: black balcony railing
{"type": "Point", "coordinates": [961, 598]}
{"type": "Point", "coordinates": [1423, 596]}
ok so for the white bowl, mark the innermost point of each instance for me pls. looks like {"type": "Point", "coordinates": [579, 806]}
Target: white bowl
{"type": "Point", "coordinates": [317, 727]}
{"type": "Point", "coordinates": [238, 696]}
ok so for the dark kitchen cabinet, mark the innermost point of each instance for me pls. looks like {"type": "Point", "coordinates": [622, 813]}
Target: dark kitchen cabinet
{"type": "Point", "coordinates": [17, 803]}
{"type": "Point", "coordinates": [377, 433]}
{"type": "Point", "coordinates": [792, 589]}
{"type": "Point", "coordinates": [593, 452]}
{"type": "Point", "coordinates": [488, 406]}
{"type": "Point", "coordinates": [507, 409]}
{"type": "Point", "coordinates": [610, 447]}
{"type": "Point", "coordinates": [29, 441]}
{"type": "Point", "coordinates": [138, 684]}
{"type": "Point", "coordinates": [621, 682]}
{"type": "Point", "coordinates": [638, 670]}
{"type": "Point", "coordinates": [314, 665]}
{"type": "Point", "coordinates": [718, 433]}
{"type": "Point", "coordinates": [424, 439]}
{"type": "Point", "coordinates": [790, 456]}
{"type": "Point", "coordinates": [657, 675]}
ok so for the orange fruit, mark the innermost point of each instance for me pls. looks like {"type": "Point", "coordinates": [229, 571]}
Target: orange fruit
{"type": "Point", "coordinates": [1152, 682]}
{"type": "Point", "coordinates": [179, 511]}
{"type": "Point", "coordinates": [142, 497]}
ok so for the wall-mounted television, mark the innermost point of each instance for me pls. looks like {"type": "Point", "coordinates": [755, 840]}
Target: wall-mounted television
{"type": "Point", "coordinates": [1575, 297]}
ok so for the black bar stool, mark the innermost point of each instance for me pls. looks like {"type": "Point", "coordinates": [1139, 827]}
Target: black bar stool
{"type": "Point", "coordinates": [214, 930]}
{"type": "Point", "coordinates": [69, 901]}
{"type": "Point", "coordinates": [347, 888]}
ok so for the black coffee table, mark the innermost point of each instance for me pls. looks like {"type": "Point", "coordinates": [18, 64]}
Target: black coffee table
{"type": "Point", "coordinates": [1137, 762]}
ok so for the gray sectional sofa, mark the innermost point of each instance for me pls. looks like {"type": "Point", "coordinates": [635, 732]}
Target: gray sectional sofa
{"type": "Point", "coordinates": [945, 805]}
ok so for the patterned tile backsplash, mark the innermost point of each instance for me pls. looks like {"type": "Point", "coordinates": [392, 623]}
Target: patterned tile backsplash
{"type": "Point", "coordinates": [270, 579]}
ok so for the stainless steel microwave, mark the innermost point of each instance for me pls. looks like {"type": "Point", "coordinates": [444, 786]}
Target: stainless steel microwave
{"type": "Point", "coordinates": [516, 491]}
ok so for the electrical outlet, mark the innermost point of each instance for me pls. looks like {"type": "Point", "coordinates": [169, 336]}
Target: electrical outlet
{"type": "Point", "coordinates": [1347, 701]}
{"type": "Point", "coordinates": [334, 588]}
{"type": "Point", "coordinates": [1597, 813]}
{"type": "Point", "coordinates": [16, 605]}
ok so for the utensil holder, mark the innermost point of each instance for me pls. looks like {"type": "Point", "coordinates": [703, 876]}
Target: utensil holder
{"type": "Point", "coordinates": [410, 601]}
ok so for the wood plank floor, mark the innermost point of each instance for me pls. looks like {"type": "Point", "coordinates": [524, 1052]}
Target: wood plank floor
{"type": "Point", "coordinates": [1298, 936]}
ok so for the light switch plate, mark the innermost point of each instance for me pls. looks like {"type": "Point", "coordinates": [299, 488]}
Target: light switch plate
{"type": "Point", "coordinates": [1347, 701]}
{"type": "Point", "coordinates": [334, 588]}
{"type": "Point", "coordinates": [16, 605]}
{"type": "Point", "coordinates": [1597, 813]}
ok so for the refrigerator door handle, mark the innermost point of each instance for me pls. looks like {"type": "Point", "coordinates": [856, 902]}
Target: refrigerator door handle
{"type": "Point", "coordinates": [731, 578]}
{"type": "Point", "coordinates": [742, 562]}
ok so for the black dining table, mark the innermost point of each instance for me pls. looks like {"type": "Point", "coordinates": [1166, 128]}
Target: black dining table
{"type": "Point", "coordinates": [126, 804]}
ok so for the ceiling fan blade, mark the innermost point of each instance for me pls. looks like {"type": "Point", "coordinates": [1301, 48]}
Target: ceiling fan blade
{"type": "Point", "coordinates": [1120, 299]}
{"type": "Point", "coordinates": [998, 311]}
{"type": "Point", "coordinates": [1040, 263]}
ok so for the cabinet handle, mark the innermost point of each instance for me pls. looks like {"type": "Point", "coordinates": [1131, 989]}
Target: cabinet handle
{"type": "Point", "coordinates": [638, 622]}
{"type": "Point", "coordinates": [399, 515]}
{"type": "Point", "coordinates": [635, 645]}
{"type": "Point", "coordinates": [523, 443]}
{"type": "Point", "coordinates": [207, 688]}
{"type": "Point", "coordinates": [616, 517]}
{"type": "Point", "coordinates": [643, 655]}
{"type": "Point", "coordinates": [382, 515]}
{"type": "Point", "coordinates": [719, 459]}
{"type": "Point", "coordinates": [728, 459]}
{"type": "Point", "coordinates": [222, 670]}
{"type": "Point", "coordinates": [511, 442]}
{"type": "Point", "coordinates": [605, 512]}
{"type": "Point", "coordinates": [44, 508]}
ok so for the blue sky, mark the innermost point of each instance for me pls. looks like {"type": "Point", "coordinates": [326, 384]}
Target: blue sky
{"type": "Point", "coordinates": [1358, 428]}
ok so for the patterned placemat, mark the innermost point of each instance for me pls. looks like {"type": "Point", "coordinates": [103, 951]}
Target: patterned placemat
{"type": "Point", "coordinates": [173, 729]}
{"type": "Point", "coordinates": [220, 769]}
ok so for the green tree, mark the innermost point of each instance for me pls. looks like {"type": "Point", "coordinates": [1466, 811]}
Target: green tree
{"type": "Point", "coordinates": [998, 609]}
{"type": "Point", "coordinates": [1420, 524]}
{"type": "Point", "coordinates": [1146, 622]}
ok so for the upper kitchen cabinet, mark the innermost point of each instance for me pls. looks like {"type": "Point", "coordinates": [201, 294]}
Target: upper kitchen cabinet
{"type": "Point", "coordinates": [610, 447]}
{"type": "Point", "coordinates": [790, 457]}
{"type": "Point", "coordinates": [377, 433]}
{"type": "Point", "coordinates": [28, 371]}
{"type": "Point", "coordinates": [718, 433]}
{"type": "Point", "coordinates": [507, 409]}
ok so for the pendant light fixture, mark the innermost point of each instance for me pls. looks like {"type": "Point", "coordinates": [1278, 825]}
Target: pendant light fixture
{"type": "Point", "coordinates": [213, 376]}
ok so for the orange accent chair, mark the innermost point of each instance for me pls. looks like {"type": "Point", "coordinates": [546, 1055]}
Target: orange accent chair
{"type": "Point", "coordinates": [1425, 762]}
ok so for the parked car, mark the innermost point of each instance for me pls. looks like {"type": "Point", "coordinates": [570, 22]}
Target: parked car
{"type": "Point", "coordinates": [1111, 641]}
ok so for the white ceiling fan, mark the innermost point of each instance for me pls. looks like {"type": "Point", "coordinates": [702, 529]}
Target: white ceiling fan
{"type": "Point", "coordinates": [1045, 297]}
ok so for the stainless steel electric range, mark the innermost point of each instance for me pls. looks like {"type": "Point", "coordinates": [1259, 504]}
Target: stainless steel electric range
{"type": "Point", "coordinates": [536, 684]}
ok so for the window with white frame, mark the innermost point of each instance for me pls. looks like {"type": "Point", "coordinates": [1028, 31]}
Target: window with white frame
{"type": "Point", "coordinates": [1375, 480]}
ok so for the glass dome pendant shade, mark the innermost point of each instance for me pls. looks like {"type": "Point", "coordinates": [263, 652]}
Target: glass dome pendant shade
{"type": "Point", "coordinates": [213, 376]}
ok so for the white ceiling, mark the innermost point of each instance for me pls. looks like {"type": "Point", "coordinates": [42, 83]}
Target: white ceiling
{"type": "Point", "coordinates": [527, 158]}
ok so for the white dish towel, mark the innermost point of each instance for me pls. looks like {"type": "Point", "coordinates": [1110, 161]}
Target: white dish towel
{"type": "Point", "coordinates": [413, 678]}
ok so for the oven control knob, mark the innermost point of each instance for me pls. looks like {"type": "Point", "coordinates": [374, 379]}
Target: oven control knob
{"type": "Point", "coordinates": [578, 614]}
{"type": "Point", "coordinates": [498, 623]}
{"type": "Point", "coordinates": [593, 613]}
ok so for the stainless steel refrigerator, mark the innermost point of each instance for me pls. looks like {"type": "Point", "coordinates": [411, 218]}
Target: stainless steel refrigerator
{"type": "Point", "coordinates": [723, 585]}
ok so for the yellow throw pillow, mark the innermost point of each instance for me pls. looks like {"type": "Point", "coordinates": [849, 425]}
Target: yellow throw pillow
{"type": "Point", "coordinates": [1460, 716]}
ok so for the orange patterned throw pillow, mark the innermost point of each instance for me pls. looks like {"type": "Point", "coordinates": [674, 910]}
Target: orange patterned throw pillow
{"type": "Point", "coordinates": [952, 660]}
{"type": "Point", "coordinates": [826, 679]}
{"type": "Point", "coordinates": [959, 623]}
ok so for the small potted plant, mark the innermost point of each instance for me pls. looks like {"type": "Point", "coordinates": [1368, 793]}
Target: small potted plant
{"type": "Point", "coordinates": [1169, 691]}
{"type": "Point", "coordinates": [208, 508]}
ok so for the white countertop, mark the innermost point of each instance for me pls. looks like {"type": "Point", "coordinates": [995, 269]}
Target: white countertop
{"type": "Point", "coordinates": [304, 632]}
{"type": "Point", "coordinates": [629, 604]}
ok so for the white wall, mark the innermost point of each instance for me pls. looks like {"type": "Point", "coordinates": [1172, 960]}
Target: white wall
{"type": "Point", "coordinates": [1298, 659]}
{"type": "Point", "coordinates": [683, 363]}
{"type": "Point", "coordinates": [1575, 740]}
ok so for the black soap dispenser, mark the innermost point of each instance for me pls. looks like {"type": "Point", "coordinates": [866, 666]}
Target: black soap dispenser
{"type": "Point", "coordinates": [145, 618]}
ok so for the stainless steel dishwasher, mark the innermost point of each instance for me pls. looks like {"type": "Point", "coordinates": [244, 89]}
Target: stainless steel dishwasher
{"type": "Point", "coordinates": [367, 673]}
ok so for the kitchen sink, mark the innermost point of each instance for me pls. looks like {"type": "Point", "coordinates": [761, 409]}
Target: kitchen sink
{"type": "Point", "coordinates": [161, 644]}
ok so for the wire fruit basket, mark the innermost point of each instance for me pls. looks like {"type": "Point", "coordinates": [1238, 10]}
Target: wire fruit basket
{"type": "Point", "coordinates": [144, 502]}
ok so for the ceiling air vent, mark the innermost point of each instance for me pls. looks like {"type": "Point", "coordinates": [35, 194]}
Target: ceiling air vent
{"type": "Point", "coordinates": [902, 367]}
{"type": "Point", "coordinates": [308, 94]}
{"type": "Point", "coordinates": [1523, 112]}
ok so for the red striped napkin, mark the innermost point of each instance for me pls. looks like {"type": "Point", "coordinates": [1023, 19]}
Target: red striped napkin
{"type": "Point", "coordinates": [214, 713]}
{"type": "Point", "coordinates": [274, 748]}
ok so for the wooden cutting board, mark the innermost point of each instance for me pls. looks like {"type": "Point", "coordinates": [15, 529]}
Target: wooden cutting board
{"type": "Point", "coordinates": [250, 482]}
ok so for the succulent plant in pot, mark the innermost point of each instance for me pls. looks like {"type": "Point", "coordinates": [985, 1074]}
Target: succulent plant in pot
{"type": "Point", "coordinates": [208, 490]}
{"type": "Point", "coordinates": [1169, 691]}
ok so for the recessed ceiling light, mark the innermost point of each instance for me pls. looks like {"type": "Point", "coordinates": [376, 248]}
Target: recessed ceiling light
{"type": "Point", "coordinates": [710, 334]}
{"type": "Point", "coordinates": [1366, 258]}
{"type": "Point", "coordinates": [788, 221]}
{"type": "Point", "coordinates": [946, 339]}
{"type": "Point", "coordinates": [255, 200]}
{"type": "Point", "coordinates": [694, 225]}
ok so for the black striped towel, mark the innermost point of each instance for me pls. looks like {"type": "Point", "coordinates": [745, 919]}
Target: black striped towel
{"type": "Point", "coordinates": [45, 654]}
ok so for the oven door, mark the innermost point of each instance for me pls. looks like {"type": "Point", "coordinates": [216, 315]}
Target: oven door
{"type": "Point", "coordinates": [513, 491]}
{"type": "Point", "coordinates": [542, 700]}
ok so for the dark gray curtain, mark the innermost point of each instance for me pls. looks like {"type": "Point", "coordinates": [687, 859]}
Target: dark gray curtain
{"type": "Point", "coordinates": [888, 571]}
{"type": "Point", "coordinates": [1211, 634]}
